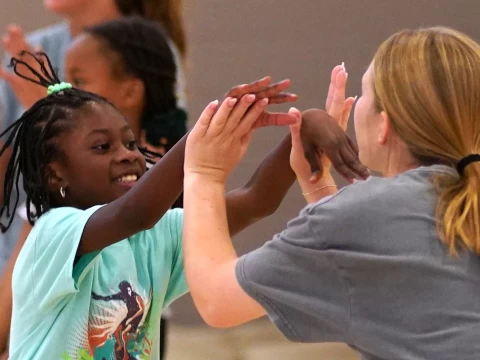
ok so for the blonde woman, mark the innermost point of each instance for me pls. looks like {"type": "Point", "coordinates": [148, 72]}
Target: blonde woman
{"type": "Point", "coordinates": [389, 265]}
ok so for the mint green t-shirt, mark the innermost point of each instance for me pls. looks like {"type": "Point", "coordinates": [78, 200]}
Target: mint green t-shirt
{"type": "Point", "coordinates": [104, 305]}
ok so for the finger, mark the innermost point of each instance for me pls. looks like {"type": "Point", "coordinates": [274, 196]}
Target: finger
{"type": "Point", "coordinates": [315, 165]}
{"type": "Point", "coordinates": [295, 130]}
{"type": "Point", "coordinates": [258, 85]}
{"type": "Point", "coordinates": [252, 88]}
{"type": "Point", "coordinates": [238, 112]}
{"type": "Point", "coordinates": [17, 42]}
{"type": "Point", "coordinates": [237, 91]}
{"type": "Point", "coordinates": [347, 109]}
{"type": "Point", "coordinates": [338, 99]}
{"type": "Point", "coordinates": [331, 87]}
{"type": "Point", "coordinates": [358, 168]}
{"type": "Point", "coordinates": [221, 116]}
{"type": "Point", "coordinates": [274, 89]}
{"type": "Point", "coordinates": [203, 122]}
{"type": "Point", "coordinates": [273, 119]}
{"type": "Point", "coordinates": [339, 165]}
{"type": "Point", "coordinates": [283, 98]}
{"type": "Point", "coordinates": [350, 159]}
{"type": "Point", "coordinates": [248, 121]}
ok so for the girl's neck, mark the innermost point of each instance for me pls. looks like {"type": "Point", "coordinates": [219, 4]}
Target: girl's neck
{"type": "Point", "coordinates": [79, 21]}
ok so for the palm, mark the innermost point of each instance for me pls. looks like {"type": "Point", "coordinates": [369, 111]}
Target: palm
{"type": "Point", "coordinates": [339, 109]}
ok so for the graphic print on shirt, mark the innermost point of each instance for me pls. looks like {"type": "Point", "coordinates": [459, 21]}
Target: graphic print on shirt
{"type": "Point", "coordinates": [115, 326]}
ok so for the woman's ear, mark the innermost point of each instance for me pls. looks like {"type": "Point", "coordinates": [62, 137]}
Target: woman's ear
{"type": "Point", "coordinates": [133, 93]}
{"type": "Point", "coordinates": [385, 129]}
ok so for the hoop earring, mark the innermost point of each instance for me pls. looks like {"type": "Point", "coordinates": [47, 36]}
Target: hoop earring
{"type": "Point", "coordinates": [62, 192]}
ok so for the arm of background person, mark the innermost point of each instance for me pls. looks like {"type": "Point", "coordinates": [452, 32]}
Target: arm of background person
{"type": "Point", "coordinates": [6, 286]}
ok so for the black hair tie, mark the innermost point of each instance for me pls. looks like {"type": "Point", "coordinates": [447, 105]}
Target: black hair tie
{"type": "Point", "coordinates": [467, 160]}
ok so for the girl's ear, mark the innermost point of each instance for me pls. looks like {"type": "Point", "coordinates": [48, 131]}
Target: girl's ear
{"type": "Point", "coordinates": [132, 93]}
{"type": "Point", "coordinates": [56, 180]}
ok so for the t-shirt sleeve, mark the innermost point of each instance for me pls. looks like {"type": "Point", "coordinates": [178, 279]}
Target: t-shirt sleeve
{"type": "Point", "coordinates": [295, 278]}
{"type": "Point", "coordinates": [177, 285]}
{"type": "Point", "coordinates": [53, 251]}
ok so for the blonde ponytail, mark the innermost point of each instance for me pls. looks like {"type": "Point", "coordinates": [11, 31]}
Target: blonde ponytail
{"type": "Point", "coordinates": [427, 81]}
{"type": "Point", "coordinates": [458, 209]}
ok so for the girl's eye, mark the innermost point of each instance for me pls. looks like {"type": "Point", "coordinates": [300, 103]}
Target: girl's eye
{"type": "Point", "coordinates": [102, 147]}
{"type": "Point", "coordinates": [132, 145]}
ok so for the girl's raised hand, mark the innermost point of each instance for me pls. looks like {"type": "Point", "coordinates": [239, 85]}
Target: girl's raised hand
{"type": "Point", "coordinates": [221, 136]}
{"type": "Point", "coordinates": [15, 44]}
{"type": "Point", "coordinates": [275, 93]}
{"type": "Point", "coordinates": [323, 135]}
{"type": "Point", "coordinates": [263, 88]}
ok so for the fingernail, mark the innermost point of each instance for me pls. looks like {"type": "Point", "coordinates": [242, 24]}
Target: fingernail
{"type": "Point", "coordinates": [346, 75]}
{"type": "Point", "coordinates": [232, 102]}
{"type": "Point", "coordinates": [355, 98]}
{"type": "Point", "coordinates": [343, 66]}
{"type": "Point", "coordinates": [264, 102]}
{"type": "Point", "coordinates": [250, 98]}
{"type": "Point", "coordinates": [213, 105]}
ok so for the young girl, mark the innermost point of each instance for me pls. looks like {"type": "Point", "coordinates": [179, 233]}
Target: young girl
{"type": "Point", "coordinates": [16, 96]}
{"type": "Point", "coordinates": [104, 257]}
{"type": "Point", "coordinates": [139, 78]}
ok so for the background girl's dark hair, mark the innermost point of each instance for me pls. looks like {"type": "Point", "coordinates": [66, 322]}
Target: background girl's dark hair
{"type": "Point", "coordinates": [167, 12]}
{"type": "Point", "coordinates": [140, 47]}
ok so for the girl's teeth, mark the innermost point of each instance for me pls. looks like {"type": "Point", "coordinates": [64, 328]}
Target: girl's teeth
{"type": "Point", "coordinates": [128, 178]}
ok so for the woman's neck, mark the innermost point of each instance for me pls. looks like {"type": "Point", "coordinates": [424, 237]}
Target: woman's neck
{"type": "Point", "coordinates": [399, 163]}
{"type": "Point", "coordinates": [79, 21]}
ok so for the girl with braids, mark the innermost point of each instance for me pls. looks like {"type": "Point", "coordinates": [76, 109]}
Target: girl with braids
{"type": "Point", "coordinates": [17, 95]}
{"type": "Point", "coordinates": [138, 77]}
{"type": "Point", "coordinates": [104, 257]}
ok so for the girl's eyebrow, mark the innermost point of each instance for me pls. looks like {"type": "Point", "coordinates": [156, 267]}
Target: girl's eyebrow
{"type": "Point", "coordinates": [107, 131]}
{"type": "Point", "coordinates": [98, 131]}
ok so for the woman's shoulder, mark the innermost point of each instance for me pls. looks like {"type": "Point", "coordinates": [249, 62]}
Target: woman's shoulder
{"type": "Point", "coordinates": [411, 187]}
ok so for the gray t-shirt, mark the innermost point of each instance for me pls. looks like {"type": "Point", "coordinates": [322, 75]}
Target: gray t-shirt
{"type": "Point", "coordinates": [366, 267]}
